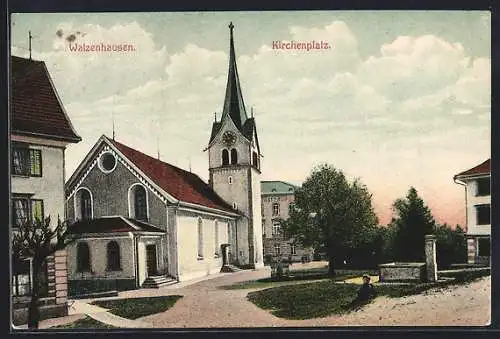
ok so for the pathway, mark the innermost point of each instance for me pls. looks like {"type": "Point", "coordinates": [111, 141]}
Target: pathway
{"type": "Point", "coordinates": [204, 304]}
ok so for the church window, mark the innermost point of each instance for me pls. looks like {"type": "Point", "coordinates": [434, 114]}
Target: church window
{"type": "Point", "coordinates": [234, 156]}
{"type": "Point", "coordinates": [235, 206]}
{"type": "Point", "coordinates": [113, 252]}
{"type": "Point", "coordinates": [200, 238]}
{"type": "Point", "coordinates": [107, 162]}
{"type": "Point", "coordinates": [276, 209]}
{"type": "Point", "coordinates": [83, 257]}
{"type": "Point", "coordinates": [276, 228]}
{"type": "Point", "coordinates": [230, 180]}
{"type": "Point", "coordinates": [140, 203]}
{"type": "Point", "coordinates": [225, 157]}
{"type": "Point", "coordinates": [255, 160]}
{"type": "Point", "coordinates": [216, 237]}
{"type": "Point", "coordinates": [85, 200]}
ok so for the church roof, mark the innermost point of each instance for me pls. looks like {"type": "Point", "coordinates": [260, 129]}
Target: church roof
{"type": "Point", "coordinates": [277, 187]}
{"type": "Point", "coordinates": [35, 106]}
{"type": "Point", "coordinates": [481, 169]}
{"type": "Point", "coordinates": [114, 224]}
{"type": "Point", "coordinates": [182, 185]}
{"type": "Point", "coordinates": [233, 101]}
{"type": "Point", "coordinates": [234, 105]}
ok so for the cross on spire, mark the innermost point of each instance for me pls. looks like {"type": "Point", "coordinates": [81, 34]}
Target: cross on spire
{"type": "Point", "coordinates": [231, 27]}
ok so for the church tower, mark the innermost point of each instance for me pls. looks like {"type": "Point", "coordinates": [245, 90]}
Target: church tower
{"type": "Point", "coordinates": [234, 169]}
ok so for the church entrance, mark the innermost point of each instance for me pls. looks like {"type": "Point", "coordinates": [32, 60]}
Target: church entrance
{"type": "Point", "coordinates": [151, 260]}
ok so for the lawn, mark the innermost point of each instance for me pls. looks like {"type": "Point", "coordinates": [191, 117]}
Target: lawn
{"type": "Point", "coordinates": [134, 308]}
{"type": "Point", "coordinates": [296, 276]}
{"type": "Point", "coordinates": [86, 322]}
{"type": "Point", "coordinates": [323, 298]}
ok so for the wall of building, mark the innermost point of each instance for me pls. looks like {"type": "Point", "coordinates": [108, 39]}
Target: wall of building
{"type": "Point", "coordinates": [98, 260]}
{"type": "Point", "coordinates": [50, 188]}
{"type": "Point", "coordinates": [270, 240]}
{"type": "Point", "coordinates": [190, 266]}
{"type": "Point", "coordinates": [110, 195]}
{"type": "Point", "coordinates": [472, 201]}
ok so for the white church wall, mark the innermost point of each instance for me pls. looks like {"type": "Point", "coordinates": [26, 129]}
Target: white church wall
{"type": "Point", "coordinates": [141, 249]}
{"type": "Point", "coordinates": [190, 266]}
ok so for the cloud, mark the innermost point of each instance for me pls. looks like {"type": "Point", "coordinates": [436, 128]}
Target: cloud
{"type": "Point", "coordinates": [410, 67]}
{"type": "Point", "coordinates": [96, 75]}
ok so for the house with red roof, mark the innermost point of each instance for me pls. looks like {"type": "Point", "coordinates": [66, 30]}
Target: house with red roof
{"type": "Point", "coordinates": [477, 183]}
{"type": "Point", "coordinates": [142, 222]}
{"type": "Point", "coordinates": [40, 131]}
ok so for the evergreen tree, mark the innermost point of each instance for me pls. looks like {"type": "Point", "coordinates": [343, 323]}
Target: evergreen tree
{"type": "Point", "coordinates": [413, 221]}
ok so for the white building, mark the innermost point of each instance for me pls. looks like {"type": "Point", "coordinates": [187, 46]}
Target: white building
{"type": "Point", "coordinates": [477, 183]}
{"type": "Point", "coordinates": [40, 133]}
{"type": "Point", "coordinates": [142, 222]}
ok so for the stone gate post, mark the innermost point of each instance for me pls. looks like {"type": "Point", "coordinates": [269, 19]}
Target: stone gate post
{"type": "Point", "coordinates": [430, 257]}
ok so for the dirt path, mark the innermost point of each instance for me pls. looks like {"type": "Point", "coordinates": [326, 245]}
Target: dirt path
{"type": "Point", "coordinates": [205, 305]}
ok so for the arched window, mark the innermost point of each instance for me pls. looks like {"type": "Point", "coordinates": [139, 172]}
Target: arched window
{"type": "Point", "coordinates": [225, 157]}
{"type": "Point", "coordinates": [200, 238]}
{"type": "Point", "coordinates": [140, 203]}
{"type": "Point", "coordinates": [216, 237]}
{"type": "Point", "coordinates": [234, 156]}
{"type": "Point", "coordinates": [113, 256]}
{"type": "Point", "coordinates": [255, 160]}
{"type": "Point", "coordinates": [85, 204]}
{"type": "Point", "coordinates": [83, 257]}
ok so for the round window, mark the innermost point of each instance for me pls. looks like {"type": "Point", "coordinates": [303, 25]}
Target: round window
{"type": "Point", "coordinates": [107, 162]}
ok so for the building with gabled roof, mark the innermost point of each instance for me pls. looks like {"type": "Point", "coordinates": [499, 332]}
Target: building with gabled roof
{"type": "Point", "coordinates": [40, 131]}
{"type": "Point", "coordinates": [140, 220]}
{"type": "Point", "coordinates": [477, 183]}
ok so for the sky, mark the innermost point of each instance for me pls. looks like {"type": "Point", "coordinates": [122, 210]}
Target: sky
{"type": "Point", "coordinates": [400, 99]}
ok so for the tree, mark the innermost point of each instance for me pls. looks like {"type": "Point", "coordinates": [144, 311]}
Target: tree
{"type": "Point", "coordinates": [37, 240]}
{"type": "Point", "coordinates": [414, 220]}
{"type": "Point", "coordinates": [331, 213]}
{"type": "Point", "coordinates": [451, 245]}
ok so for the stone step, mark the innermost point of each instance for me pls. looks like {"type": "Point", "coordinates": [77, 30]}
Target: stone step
{"type": "Point", "coordinates": [230, 269]}
{"type": "Point", "coordinates": [158, 281]}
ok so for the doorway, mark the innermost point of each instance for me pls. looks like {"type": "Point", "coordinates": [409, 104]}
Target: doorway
{"type": "Point", "coordinates": [151, 260]}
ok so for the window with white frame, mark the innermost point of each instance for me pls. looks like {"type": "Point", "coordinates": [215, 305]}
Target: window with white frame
{"type": "Point", "coordinates": [26, 209]}
{"type": "Point", "coordinates": [277, 249]}
{"type": "Point", "coordinates": [276, 209]}
{"type": "Point", "coordinates": [26, 161]}
{"type": "Point", "coordinates": [200, 238]}
{"type": "Point", "coordinates": [483, 187]}
{"type": "Point", "coordinates": [483, 214]}
{"type": "Point", "coordinates": [21, 277]}
{"type": "Point", "coordinates": [276, 228]}
{"type": "Point", "coordinates": [293, 248]}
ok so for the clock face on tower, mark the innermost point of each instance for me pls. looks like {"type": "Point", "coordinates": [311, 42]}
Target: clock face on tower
{"type": "Point", "coordinates": [229, 138]}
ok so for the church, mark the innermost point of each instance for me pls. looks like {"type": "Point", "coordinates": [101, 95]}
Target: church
{"type": "Point", "coordinates": [141, 222]}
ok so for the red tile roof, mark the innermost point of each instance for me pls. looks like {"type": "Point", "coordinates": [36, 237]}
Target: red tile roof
{"type": "Point", "coordinates": [182, 185]}
{"type": "Point", "coordinates": [483, 168]}
{"type": "Point", "coordinates": [35, 106]}
{"type": "Point", "coordinates": [112, 225]}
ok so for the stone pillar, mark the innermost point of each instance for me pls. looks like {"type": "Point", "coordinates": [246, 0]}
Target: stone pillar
{"type": "Point", "coordinates": [430, 257]}
{"type": "Point", "coordinates": [471, 249]}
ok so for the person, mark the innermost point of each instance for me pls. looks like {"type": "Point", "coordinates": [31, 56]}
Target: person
{"type": "Point", "coordinates": [365, 292]}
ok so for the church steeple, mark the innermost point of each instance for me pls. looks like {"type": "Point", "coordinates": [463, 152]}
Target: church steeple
{"type": "Point", "coordinates": [234, 105]}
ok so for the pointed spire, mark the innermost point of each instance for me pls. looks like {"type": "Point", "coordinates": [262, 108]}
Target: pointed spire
{"type": "Point", "coordinates": [233, 101]}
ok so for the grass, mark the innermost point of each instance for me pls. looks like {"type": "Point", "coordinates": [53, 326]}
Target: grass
{"type": "Point", "coordinates": [86, 322]}
{"type": "Point", "coordinates": [296, 276]}
{"type": "Point", "coordinates": [134, 308]}
{"type": "Point", "coordinates": [324, 298]}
